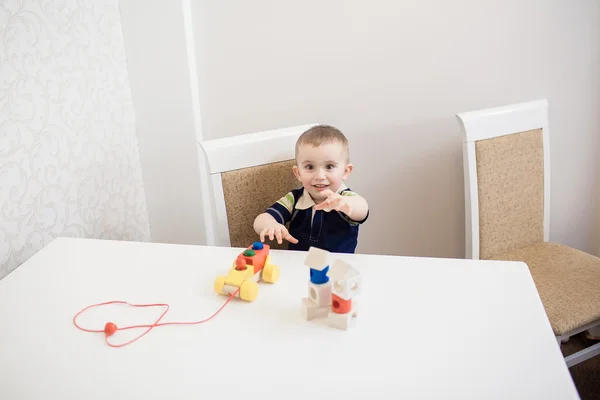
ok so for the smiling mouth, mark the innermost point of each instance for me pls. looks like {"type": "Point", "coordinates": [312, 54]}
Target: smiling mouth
{"type": "Point", "coordinates": [320, 187]}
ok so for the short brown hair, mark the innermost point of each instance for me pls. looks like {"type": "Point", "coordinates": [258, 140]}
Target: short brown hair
{"type": "Point", "coordinates": [323, 134]}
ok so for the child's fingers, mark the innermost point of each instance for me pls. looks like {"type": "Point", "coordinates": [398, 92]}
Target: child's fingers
{"type": "Point", "coordinates": [262, 234]}
{"type": "Point", "coordinates": [278, 235]}
{"type": "Point", "coordinates": [328, 203]}
{"type": "Point", "coordinates": [327, 193]}
{"type": "Point", "coordinates": [321, 206]}
{"type": "Point", "coordinates": [271, 233]}
{"type": "Point", "coordinates": [329, 198]}
{"type": "Point", "coordinates": [290, 238]}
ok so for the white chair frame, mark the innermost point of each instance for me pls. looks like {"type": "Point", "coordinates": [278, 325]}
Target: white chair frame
{"type": "Point", "coordinates": [244, 151]}
{"type": "Point", "coordinates": [487, 124]}
{"type": "Point", "coordinates": [499, 121]}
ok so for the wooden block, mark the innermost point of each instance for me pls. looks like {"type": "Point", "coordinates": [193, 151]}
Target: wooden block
{"type": "Point", "coordinates": [320, 294]}
{"type": "Point", "coordinates": [340, 321]}
{"type": "Point", "coordinates": [317, 258]}
{"type": "Point", "coordinates": [311, 311]}
{"type": "Point", "coordinates": [345, 279]}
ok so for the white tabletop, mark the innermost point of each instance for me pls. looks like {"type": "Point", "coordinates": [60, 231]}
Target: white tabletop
{"type": "Point", "coordinates": [427, 328]}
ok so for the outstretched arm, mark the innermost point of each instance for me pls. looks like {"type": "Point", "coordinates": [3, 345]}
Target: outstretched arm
{"type": "Point", "coordinates": [355, 206]}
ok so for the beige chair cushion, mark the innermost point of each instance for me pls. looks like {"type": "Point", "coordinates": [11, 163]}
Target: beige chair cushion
{"type": "Point", "coordinates": [510, 180]}
{"type": "Point", "coordinates": [568, 281]}
{"type": "Point", "coordinates": [249, 192]}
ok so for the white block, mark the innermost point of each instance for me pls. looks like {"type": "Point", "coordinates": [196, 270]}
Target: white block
{"type": "Point", "coordinates": [320, 293]}
{"type": "Point", "coordinates": [341, 321]}
{"type": "Point", "coordinates": [346, 281]}
{"type": "Point", "coordinates": [355, 304]}
{"type": "Point", "coordinates": [311, 311]}
{"type": "Point", "coordinates": [317, 258]}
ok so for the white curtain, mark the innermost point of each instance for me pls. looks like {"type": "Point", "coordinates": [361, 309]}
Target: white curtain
{"type": "Point", "coordinates": [69, 161]}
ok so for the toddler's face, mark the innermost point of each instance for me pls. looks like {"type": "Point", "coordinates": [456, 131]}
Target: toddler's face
{"type": "Point", "coordinates": [320, 168]}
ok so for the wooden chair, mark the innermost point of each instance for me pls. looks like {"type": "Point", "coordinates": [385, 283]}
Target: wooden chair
{"type": "Point", "coordinates": [249, 173]}
{"type": "Point", "coordinates": [507, 208]}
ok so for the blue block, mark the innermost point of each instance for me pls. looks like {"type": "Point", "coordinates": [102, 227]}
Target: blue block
{"type": "Point", "coordinates": [317, 277]}
{"type": "Point", "coordinates": [257, 245]}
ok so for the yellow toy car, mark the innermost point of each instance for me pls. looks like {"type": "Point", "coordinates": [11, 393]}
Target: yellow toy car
{"type": "Point", "coordinates": [247, 270]}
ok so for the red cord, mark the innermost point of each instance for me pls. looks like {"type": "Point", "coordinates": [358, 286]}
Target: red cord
{"type": "Point", "coordinates": [111, 328]}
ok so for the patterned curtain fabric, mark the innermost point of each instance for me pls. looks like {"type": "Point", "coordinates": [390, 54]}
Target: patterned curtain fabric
{"type": "Point", "coordinates": [69, 163]}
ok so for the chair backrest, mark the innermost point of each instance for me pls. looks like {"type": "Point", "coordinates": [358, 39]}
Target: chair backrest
{"type": "Point", "coordinates": [506, 154]}
{"type": "Point", "coordinates": [249, 173]}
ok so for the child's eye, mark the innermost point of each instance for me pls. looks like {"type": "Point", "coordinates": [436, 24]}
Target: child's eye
{"type": "Point", "coordinates": [308, 166]}
{"type": "Point", "coordinates": [330, 166]}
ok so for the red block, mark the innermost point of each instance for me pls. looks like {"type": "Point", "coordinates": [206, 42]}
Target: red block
{"type": "Point", "coordinates": [339, 305]}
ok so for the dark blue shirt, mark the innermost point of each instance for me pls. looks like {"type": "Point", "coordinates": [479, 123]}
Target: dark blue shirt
{"type": "Point", "coordinates": [333, 231]}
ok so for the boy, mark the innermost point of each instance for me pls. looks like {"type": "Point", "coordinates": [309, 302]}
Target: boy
{"type": "Point", "coordinates": [324, 213]}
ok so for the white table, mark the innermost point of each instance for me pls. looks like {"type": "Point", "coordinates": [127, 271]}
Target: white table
{"type": "Point", "coordinates": [428, 328]}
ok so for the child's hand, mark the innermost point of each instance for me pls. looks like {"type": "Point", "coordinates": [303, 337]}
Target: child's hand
{"type": "Point", "coordinates": [275, 229]}
{"type": "Point", "coordinates": [335, 201]}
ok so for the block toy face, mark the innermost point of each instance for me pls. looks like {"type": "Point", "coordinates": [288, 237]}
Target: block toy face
{"type": "Point", "coordinates": [346, 280]}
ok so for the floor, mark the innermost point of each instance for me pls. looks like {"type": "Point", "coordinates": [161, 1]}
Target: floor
{"type": "Point", "coordinates": [586, 375]}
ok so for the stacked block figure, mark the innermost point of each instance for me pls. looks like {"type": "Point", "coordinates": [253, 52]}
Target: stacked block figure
{"type": "Point", "coordinates": [346, 286]}
{"type": "Point", "coordinates": [331, 296]}
{"type": "Point", "coordinates": [250, 266]}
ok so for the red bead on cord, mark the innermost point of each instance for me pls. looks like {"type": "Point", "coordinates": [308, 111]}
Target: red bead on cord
{"type": "Point", "coordinates": [110, 328]}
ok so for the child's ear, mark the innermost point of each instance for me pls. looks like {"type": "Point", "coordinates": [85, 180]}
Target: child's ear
{"type": "Point", "coordinates": [296, 172]}
{"type": "Point", "coordinates": [347, 171]}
